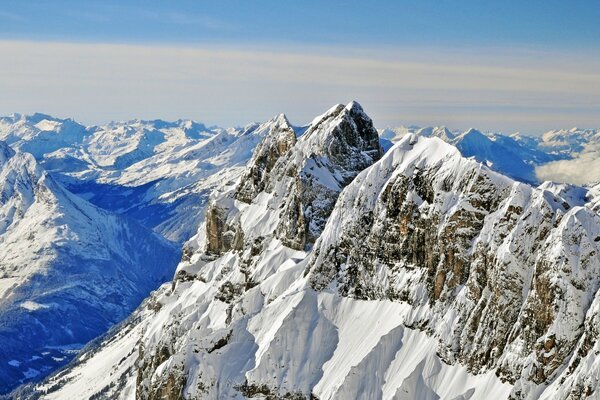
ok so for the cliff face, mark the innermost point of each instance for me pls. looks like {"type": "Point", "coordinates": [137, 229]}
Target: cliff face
{"type": "Point", "coordinates": [330, 271]}
{"type": "Point", "coordinates": [278, 210]}
{"type": "Point", "coordinates": [506, 272]}
{"type": "Point", "coordinates": [280, 139]}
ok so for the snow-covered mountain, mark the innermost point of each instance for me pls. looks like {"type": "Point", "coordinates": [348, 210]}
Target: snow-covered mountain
{"type": "Point", "coordinates": [502, 274]}
{"type": "Point", "coordinates": [582, 163]}
{"type": "Point", "coordinates": [162, 173]}
{"type": "Point", "coordinates": [168, 189]}
{"type": "Point", "coordinates": [330, 270]}
{"type": "Point", "coordinates": [515, 155]}
{"type": "Point", "coordinates": [159, 173]}
{"type": "Point", "coordinates": [39, 134]}
{"type": "Point", "coordinates": [68, 270]}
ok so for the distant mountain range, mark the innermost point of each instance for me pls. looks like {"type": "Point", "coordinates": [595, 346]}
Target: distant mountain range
{"type": "Point", "coordinates": [529, 159]}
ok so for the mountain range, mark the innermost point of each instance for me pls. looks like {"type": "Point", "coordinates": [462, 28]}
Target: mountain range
{"type": "Point", "coordinates": [325, 261]}
{"type": "Point", "coordinates": [69, 270]}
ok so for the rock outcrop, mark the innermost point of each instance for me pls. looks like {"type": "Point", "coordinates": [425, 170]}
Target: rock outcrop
{"type": "Point", "coordinates": [304, 176]}
{"type": "Point", "coordinates": [277, 143]}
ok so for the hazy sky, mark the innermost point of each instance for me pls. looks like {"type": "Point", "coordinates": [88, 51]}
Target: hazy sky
{"type": "Point", "coordinates": [509, 66]}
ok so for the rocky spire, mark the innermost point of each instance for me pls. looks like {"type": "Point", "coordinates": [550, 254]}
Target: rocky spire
{"type": "Point", "coordinates": [345, 135]}
{"type": "Point", "coordinates": [280, 139]}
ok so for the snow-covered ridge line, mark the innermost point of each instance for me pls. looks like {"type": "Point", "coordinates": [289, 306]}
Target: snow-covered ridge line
{"type": "Point", "coordinates": [530, 159]}
{"type": "Point", "coordinates": [502, 274]}
{"type": "Point", "coordinates": [157, 172]}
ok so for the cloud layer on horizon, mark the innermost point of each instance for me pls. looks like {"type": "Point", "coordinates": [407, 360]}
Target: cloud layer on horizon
{"type": "Point", "coordinates": [582, 170]}
{"type": "Point", "coordinates": [490, 89]}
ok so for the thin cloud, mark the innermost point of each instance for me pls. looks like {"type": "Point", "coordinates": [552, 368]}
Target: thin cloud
{"type": "Point", "coordinates": [179, 18]}
{"type": "Point", "coordinates": [228, 85]}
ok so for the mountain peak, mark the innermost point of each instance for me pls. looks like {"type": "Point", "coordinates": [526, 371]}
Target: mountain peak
{"type": "Point", "coordinates": [473, 136]}
{"type": "Point", "coordinates": [37, 117]}
{"type": "Point", "coordinates": [332, 111]}
{"type": "Point", "coordinates": [473, 131]}
{"type": "Point", "coordinates": [354, 106]}
{"type": "Point", "coordinates": [281, 119]}
{"type": "Point", "coordinates": [444, 133]}
{"type": "Point", "coordinates": [304, 175]}
{"type": "Point", "coordinates": [279, 123]}
{"type": "Point", "coordinates": [346, 135]}
{"type": "Point", "coordinates": [279, 139]}
{"type": "Point", "coordinates": [339, 109]}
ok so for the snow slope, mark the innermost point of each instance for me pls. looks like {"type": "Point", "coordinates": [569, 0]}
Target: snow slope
{"type": "Point", "coordinates": [68, 270]}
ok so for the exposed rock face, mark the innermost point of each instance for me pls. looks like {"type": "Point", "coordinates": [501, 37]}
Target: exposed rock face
{"type": "Point", "coordinates": [279, 141]}
{"type": "Point", "coordinates": [308, 175]}
{"type": "Point", "coordinates": [335, 148]}
{"type": "Point", "coordinates": [516, 267]}
{"type": "Point", "coordinates": [304, 176]}
{"type": "Point", "coordinates": [168, 387]}
{"type": "Point", "coordinates": [221, 237]}
{"type": "Point", "coordinates": [345, 137]}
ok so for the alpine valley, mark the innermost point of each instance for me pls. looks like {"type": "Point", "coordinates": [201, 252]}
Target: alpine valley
{"type": "Point", "coordinates": [171, 260]}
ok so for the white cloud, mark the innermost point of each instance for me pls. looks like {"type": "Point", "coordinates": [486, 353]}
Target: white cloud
{"type": "Point", "coordinates": [584, 169]}
{"type": "Point", "coordinates": [492, 89]}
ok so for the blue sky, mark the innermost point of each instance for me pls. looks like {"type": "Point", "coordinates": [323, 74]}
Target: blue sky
{"type": "Point", "coordinates": [514, 65]}
{"type": "Point", "coordinates": [549, 23]}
